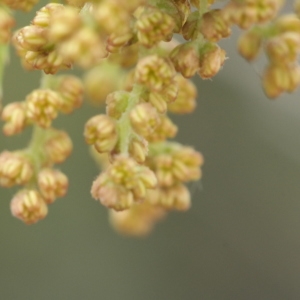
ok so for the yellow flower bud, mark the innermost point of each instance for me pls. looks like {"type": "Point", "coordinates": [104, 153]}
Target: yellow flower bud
{"type": "Point", "coordinates": [101, 131]}
{"type": "Point", "coordinates": [28, 206]}
{"type": "Point", "coordinates": [15, 169]}
{"type": "Point", "coordinates": [52, 184]}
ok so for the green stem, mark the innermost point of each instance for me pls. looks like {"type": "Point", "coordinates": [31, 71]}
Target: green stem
{"type": "Point", "coordinates": [125, 129]}
{"type": "Point", "coordinates": [4, 56]}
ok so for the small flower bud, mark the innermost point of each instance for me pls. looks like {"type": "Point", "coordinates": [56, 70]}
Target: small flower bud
{"type": "Point", "coordinates": [59, 146]}
{"type": "Point", "coordinates": [63, 23]}
{"type": "Point", "coordinates": [52, 184]}
{"type": "Point", "coordinates": [287, 22]}
{"type": "Point", "coordinates": [144, 118]}
{"type": "Point", "coordinates": [154, 72]}
{"type": "Point", "coordinates": [214, 26]}
{"type": "Point", "coordinates": [123, 183]}
{"type": "Point", "coordinates": [186, 59]}
{"type": "Point", "coordinates": [42, 106]}
{"type": "Point", "coordinates": [280, 78]}
{"type": "Point", "coordinates": [249, 44]}
{"type": "Point", "coordinates": [154, 26]}
{"type": "Point", "coordinates": [211, 61]}
{"type": "Point", "coordinates": [14, 115]}
{"type": "Point", "coordinates": [186, 98]}
{"type": "Point", "coordinates": [15, 169]}
{"type": "Point", "coordinates": [165, 129]}
{"type": "Point", "coordinates": [28, 206]}
{"type": "Point", "coordinates": [71, 90]}
{"type": "Point", "coordinates": [101, 131]}
{"type": "Point", "coordinates": [116, 41]}
{"type": "Point", "coordinates": [284, 48]}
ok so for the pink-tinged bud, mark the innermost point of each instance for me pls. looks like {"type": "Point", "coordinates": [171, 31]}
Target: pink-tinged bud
{"type": "Point", "coordinates": [32, 38]}
{"type": "Point", "coordinates": [144, 118]}
{"type": "Point", "coordinates": [14, 115]}
{"type": "Point", "coordinates": [52, 184]}
{"type": "Point", "coordinates": [211, 61]}
{"type": "Point", "coordinates": [15, 169]}
{"type": "Point", "coordinates": [116, 104]}
{"type": "Point", "coordinates": [186, 59]}
{"type": "Point", "coordinates": [154, 72]}
{"type": "Point", "coordinates": [28, 206]}
{"type": "Point", "coordinates": [59, 146]}
{"type": "Point", "coordinates": [249, 44]}
{"type": "Point", "coordinates": [42, 106]}
{"type": "Point", "coordinates": [101, 131]}
{"type": "Point", "coordinates": [214, 26]}
{"type": "Point", "coordinates": [124, 182]}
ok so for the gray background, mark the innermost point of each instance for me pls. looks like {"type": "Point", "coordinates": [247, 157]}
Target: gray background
{"type": "Point", "coordinates": [240, 240]}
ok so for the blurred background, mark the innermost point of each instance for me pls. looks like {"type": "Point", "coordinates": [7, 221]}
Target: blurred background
{"type": "Point", "coordinates": [240, 240]}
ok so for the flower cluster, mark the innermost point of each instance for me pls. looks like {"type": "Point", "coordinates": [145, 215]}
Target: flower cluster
{"type": "Point", "coordinates": [134, 64]}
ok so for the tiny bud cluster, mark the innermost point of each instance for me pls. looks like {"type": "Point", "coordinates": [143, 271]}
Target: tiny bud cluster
{"type": "Point", "coordinates": [133, 63]}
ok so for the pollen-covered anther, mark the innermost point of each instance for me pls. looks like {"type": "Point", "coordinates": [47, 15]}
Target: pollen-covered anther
{"type": "Point", "coordinates": [14, 115]}
{"type": "Point", "coordinates": [28, 206]}
{"type": "Point", "coordinates": [144, 118]}
{"type": "Point", "coordinates": [101, 131]}
{"type": "Point", "coordinates": [42, 106]}
{"type": "Point", "coordinates": [154, 26]}
{"type": "Point", "coordinates": [154, 72]}
{"type": "Point", "coordinates": [15, 169]}
{"type": "Point", "coordinates": [58, 146]}
{"type": "Point", "coordinates": [52, 184]}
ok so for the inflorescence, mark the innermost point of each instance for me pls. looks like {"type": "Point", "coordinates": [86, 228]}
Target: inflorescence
{"type": "Point", "coordinates": [134, 62]}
